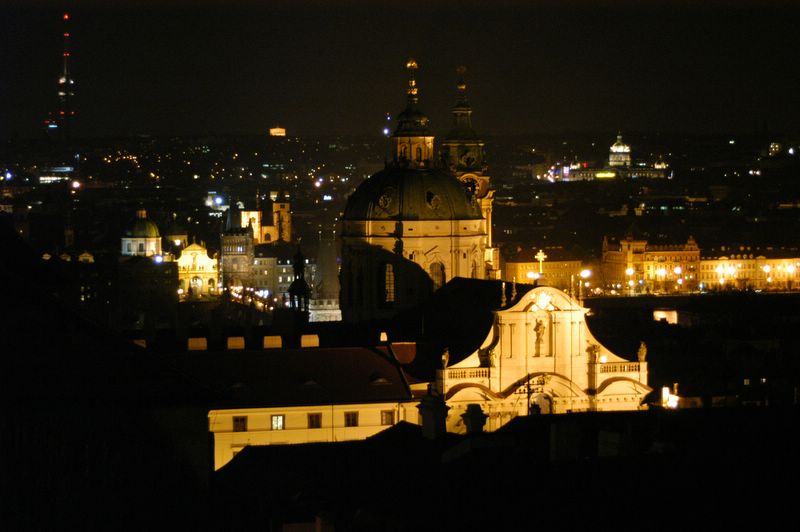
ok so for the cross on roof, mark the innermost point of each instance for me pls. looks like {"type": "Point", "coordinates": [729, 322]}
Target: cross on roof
{"type": "Point", "coordinates": [540, 257]}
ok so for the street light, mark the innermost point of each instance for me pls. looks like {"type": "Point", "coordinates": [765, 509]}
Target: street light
{"type": "Point", "coordinates": [662, 274]}
{"type": "Point", "coordinates": [629, 272]}
{"type": "Point", "coordinates": [585, 274]}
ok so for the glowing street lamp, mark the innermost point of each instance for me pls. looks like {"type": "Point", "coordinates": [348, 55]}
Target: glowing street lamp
{"type": "Point", "coordinates": [585, 274]}
{"type": "Point", "coordinates": [629, 272]}
{"type": "Point", "coordinates": [662, 274]}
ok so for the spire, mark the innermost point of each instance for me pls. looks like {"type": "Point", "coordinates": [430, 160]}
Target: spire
{"type": "Point", "coordinates": [234, 220]}
{"type": "Point", "coordinates": [412, 141]}
{"type": "Point", "coordinates": [462, 111]}
{"type": "Point", "coordinates": [413, 97]}
{"type": "Point", "coordinates": [461, 86]}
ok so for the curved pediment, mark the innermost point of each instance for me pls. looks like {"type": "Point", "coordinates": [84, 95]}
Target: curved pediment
{"type": "Point", "coordinates": [545, 298]}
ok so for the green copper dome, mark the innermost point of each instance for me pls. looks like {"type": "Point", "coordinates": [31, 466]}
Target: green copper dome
{"type": "Point", "coordinates": [397, 193]}
{"type": "Point", "coordinates": [141, 227]}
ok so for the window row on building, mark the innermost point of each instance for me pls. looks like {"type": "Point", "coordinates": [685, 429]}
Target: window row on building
{"type": "Point", "coordinates": [313, 421]}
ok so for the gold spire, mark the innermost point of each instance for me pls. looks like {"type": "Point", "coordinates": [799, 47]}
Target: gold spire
{"type": "Point", "coordinates": [411, 65]}
{"type": "Point", "coordinates": [461, 85]}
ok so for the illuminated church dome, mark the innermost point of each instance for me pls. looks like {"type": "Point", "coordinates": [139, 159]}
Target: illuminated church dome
{"type": "Point", "coordinates": [141, 237]}
{"type": "Point", "coordinates": [405, 194]}
{"type": "Point", "coordinates": [410, 187]}
{"type": "Point", "coordinates": [409, 228]}
{"type": "Point", "coordinates": [141, 227]}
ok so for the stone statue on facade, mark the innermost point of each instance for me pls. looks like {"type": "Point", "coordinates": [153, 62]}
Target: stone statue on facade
{"type": "Point", "coordinates": [642, 352]}
{"type": "Point", "coordinates": [539, 330]}
{"type": "Point", "coordinates": [592, 352]}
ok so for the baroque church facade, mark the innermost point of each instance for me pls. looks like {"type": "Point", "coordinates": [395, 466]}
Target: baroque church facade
{"type": "Point", "coordinates": [421, 221]}
{"type": "Point", "coordinates": [539, 356]}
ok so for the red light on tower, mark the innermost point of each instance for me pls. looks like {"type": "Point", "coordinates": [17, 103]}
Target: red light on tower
{"type": "Point", "coordinates": [66, 16]}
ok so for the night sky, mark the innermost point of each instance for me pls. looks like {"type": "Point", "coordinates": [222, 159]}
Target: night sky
{"type": "Point", "coordinates": [181, 67]}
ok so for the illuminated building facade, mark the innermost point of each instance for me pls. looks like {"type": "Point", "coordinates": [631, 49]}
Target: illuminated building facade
{"type": "Point", "coordinates": [741, 269]}
{"type": "Point", "coordinates": [312, 395]}
{"type": "Point", "coordinates": [538, 355]}
{"type": "Point", "coordinates": [198, 274]}
{"type": "Point", "coordinates": [273, 227]}
{"type": "Point", "coordinates": [619, 154]}
{"type": "Point", "coordinates": [636, 266]}
{"type": "Point", "coordinates": [237, 257]}
{"type": "Point", "coordinates": [141, 237]}
{"type": "Point", "coordinates": [410, 228]}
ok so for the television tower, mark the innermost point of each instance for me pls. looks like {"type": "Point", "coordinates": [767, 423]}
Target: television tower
{"type": "Point", "coordinates": [61, 123]}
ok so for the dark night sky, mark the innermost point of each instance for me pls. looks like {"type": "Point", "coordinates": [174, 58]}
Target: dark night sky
{"type": "Point", "coordinates": [336, 67]}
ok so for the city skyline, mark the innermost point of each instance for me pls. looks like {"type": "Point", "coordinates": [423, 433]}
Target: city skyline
{"type": "Point", "coordinates": [206, 68]}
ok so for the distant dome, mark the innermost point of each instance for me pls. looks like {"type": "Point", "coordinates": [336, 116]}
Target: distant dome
{"type": "Point", "coordinates": [141, 227]}
{"type": "Point", "coordinates": [412, 194]}
{"type": "Point", "coordinates": [619, 146]}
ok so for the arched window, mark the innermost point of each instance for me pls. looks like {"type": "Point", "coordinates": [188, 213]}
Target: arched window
{"type": "Point", "coordinates": [419, 154]}
{"type": "Point", "coordinates": [437, 275]}
{"type": "Point", "coordinates": [141, 247]}
{"type": "Point", "coordinates": [475, 274]}
{"type": "Point", "coordinates": [404, 152]}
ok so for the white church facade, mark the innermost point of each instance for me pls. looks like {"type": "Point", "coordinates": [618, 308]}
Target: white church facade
{"type": "Point", "coordinates": [541, 357]}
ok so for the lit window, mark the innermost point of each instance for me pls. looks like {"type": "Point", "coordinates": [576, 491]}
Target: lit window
{"type": "Point", "coordinates": [387, 417]}
{"type": "Point", "coordinates": [239, 423]}
{"type": "Point", "coordinates": [315, 421]}
{"type": "Point", "coordinates": [278, 422]}
{"type": "Point", "coordinates": [351, 419]}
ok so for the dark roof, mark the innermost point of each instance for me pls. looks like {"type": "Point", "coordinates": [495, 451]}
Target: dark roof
{"type": "Point", "coordinates": [458, 317]}
{"type": "Point", "coordinates": [296, 377]}
{"type": "Point", "coordinates": [397, 193]}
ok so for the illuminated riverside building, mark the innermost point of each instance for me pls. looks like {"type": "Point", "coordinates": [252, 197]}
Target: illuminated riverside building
{"type": "Point", "coordinates": [742, 269]}
{"type": "Point", "coordinates": [633, 265]}
{"type": "Point", "coordinates": [411, 227]}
